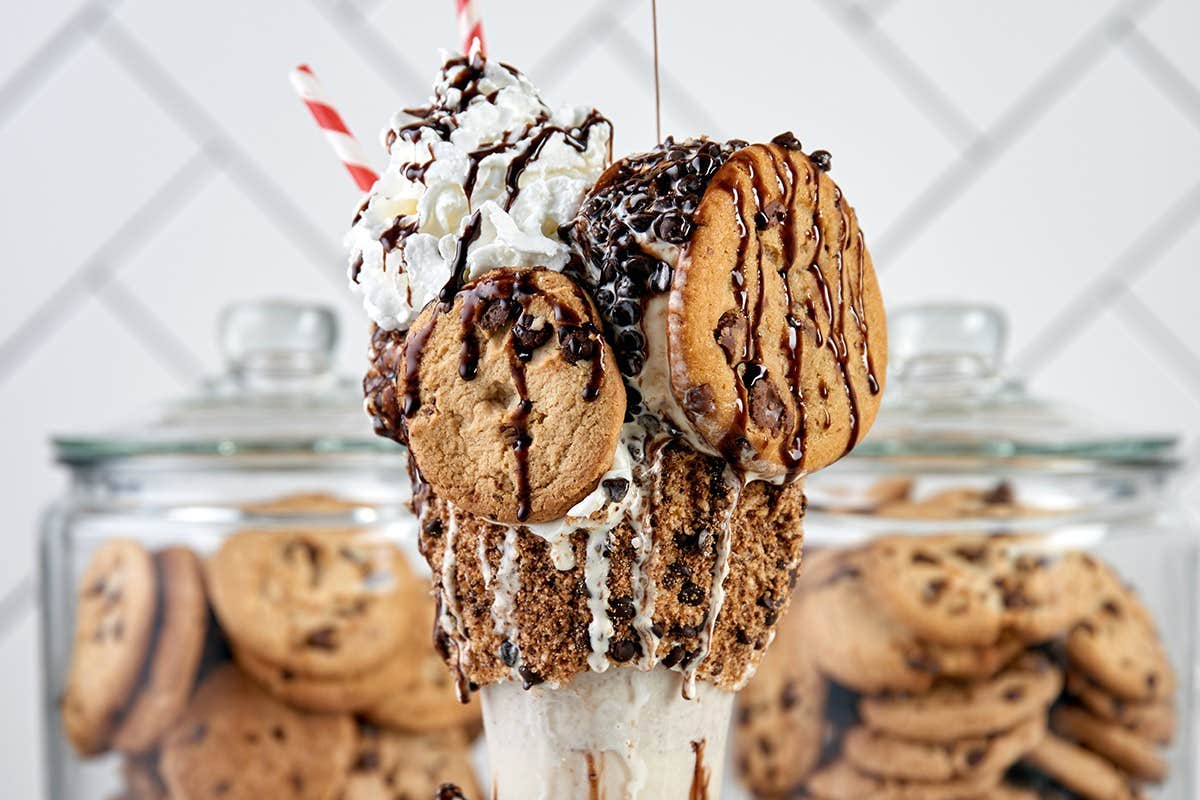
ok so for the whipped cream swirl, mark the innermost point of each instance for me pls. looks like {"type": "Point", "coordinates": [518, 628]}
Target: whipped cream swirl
{"type": "Point", "coordinates": [482, 177]}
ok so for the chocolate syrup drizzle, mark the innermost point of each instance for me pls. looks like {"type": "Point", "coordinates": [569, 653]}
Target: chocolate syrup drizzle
{"type": "Point", "coordinates": [441, 117]}
{"type": "Point", "coordinates": [578, 338]}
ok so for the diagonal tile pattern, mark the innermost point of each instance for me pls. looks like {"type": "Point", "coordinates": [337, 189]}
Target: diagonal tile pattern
{"type": "Point", "coordinates": [1041, 156]}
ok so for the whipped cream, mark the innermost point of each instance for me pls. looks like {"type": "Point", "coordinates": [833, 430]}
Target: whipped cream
{"type": "Point", "coordinates": [482, 177]}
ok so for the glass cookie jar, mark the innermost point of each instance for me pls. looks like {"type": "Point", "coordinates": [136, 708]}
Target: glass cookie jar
{"type": "Point", "coordinates": [998, 599]}
{"type": "Point", "coordinates": [233, 605]}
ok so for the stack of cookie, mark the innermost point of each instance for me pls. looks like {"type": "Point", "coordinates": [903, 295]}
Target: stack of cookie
{"type": "Point", "coordinates": [959, 666]}
{"type": "Point", "coordinates": [333, 689]}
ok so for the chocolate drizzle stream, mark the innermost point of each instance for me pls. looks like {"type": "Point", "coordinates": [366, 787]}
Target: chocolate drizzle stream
{"type": "Point", "coordinates": [843, 303]}
{"type": "Point", "coordinates": [578, 338]}
{"type": "Point", "coordinates": [700, 774]}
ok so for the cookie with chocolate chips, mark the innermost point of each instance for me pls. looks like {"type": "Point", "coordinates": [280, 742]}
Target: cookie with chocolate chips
{"type": "Point", "coordinates": [953, 710]}
{"type": "Point", "coordinates": [970, 589]}
{"type": "Point", "coordinates": [1155, 721]}
{"type": "Point", "coordinates": [389, 765]}
{"type": "Point", "coordinates": [237, 742]}
{"type": "Point", "coordinates": [175, 655]}
{"type": "Point", "coordinates": [885, 755]}
{"type": "Point", "coordinates": [776, 335]}
{"type": "Point", "coordinates": [841, 780]}
{"type": "Point", "coordinates": [114, 623]}
{"type": "Point", "coordinates": [512, 399]}
{"type": "Point", "coordinates": [1132, 754]}
{"type": "Point", "coordinates": [780, 726]}
{"type": "Point", "coordinates": [858, 644]}
{"type": "Point", "coordinates": [321, 602]}
{"type": "Point", "coordinates": [1081, 771]}
{"type": "Point", "coordinates": [1118, 647]}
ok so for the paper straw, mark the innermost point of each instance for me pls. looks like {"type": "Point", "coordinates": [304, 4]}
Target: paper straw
{"type": "Point", "coordinates": [330, 122]}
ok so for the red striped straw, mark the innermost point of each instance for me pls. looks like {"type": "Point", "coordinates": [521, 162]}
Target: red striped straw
{"type": "Point", "coordinates": [470, 26]}
{"type": "Point", "coordinates": [330, 121]}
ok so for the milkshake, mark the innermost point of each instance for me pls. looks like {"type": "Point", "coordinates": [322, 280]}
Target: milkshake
{"type": "Point", "coordinates": [612, 379]}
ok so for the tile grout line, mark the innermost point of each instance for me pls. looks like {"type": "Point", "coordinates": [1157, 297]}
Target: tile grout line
{"type": "Point", "coordinates": [353, 25]}
{"type": "Point", "coordinates": [1163, 73]}
{"type": "Point", "coordinates": [57, 50]}
{"type": "Point", "coordinates": [159, 340]}
{"type": "Point", "coordinates": [1137, 258]}
{"type": "Point", "coordinates": [163, 204]}
{"type": "Point", "coordinates": [1143, 319]}
{"type": "Point", "coordinates": [1011, 125]}
{"type": "Point", "coordinates": [18, 601]}
{"type": "Point", "coordinates": [289, 218]}
{"type": "Point", "coordinates": [921, 90]}
{"type": "Point", "coordinates": [594, 29]}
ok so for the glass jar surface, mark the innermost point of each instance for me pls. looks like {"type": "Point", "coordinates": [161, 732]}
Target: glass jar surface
{"type": "Point", "coordinates": [998, 599]}
{"type": "Point", "coordinates": [233, 602]}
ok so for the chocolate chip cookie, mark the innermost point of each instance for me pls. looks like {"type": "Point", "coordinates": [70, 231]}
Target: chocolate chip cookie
{"type": "Point", "coordinates": [1089, 775]}
{"type": "Point", "coordinates": [776, 332]}
{"type": "Point", "coordinates": [1129, 752]}
{"type": "Point", "coordinates": [236, 742]}
{"type": "Point", "coordinates": [175, 655]}
{"type": "Point", "coordinates": [954, 710]}
{"type": "Point", "coordinates": [321, 602]}
{"type": "Point", "coordinates": [390, 765]}
{"type": "Point", "coordinates": [888, 756]}
{"type": "Point", "coordinates": [1119, 648]}
{"type": "Point", "coordinates": [780, 721]}
{"type": "Point", "coordinates": [841, 781]}
{"type": "Point", "coordinates": [512, 399]}
{"type": "Point", "coordinates": [1155, 721]}
{"type": "Point", "coordinates": [114, 624]}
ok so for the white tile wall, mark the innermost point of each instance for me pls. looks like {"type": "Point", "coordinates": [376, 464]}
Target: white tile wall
{"type": "Point", "coordinates": [1041, 155]}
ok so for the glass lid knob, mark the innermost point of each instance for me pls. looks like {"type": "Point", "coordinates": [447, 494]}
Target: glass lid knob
{"type": "Point", "coordinates": [946, 349]}
{"type": "Point", "coordinates": [268, 342]}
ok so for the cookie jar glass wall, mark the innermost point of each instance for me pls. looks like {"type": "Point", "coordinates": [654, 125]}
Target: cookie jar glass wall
{"type": "Point", "coordinates": [998, 598]}
{"type": "Point", "coordinates": [232, 602]}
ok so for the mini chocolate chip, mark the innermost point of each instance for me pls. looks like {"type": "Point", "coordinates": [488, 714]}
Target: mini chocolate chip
{"type": "Point", "coordinates": [577, 344]}
{"type": "Point", "coordinates": [498, 314]}
{"type": "Point", "coordinates": [787, 140]}
{"type": "Point", "coordinates": [687, 541]}
{"type": "Point", "coordinates": [1000, 494]}
{"type": "Point", "coordinates": [674, 656]}
{"type": "Point", "coordinates": [529, 678]}
{"type": "Point", "coordinates": [1014, 694]}
{"type": "Point", "coordinates": [690, 594]}
{"type": "Point", "coordinates": [509, 653]}
{"type": "Point", "coordinates": [324, 638]}
{"type": "Point", "coordinates": [367, 761]}
{"type": "Point", "coordinates": [673, 228]}
{"type": "Point", "coordinates": [761, 220]}
{"type": "Point", "coordinates": [822, 159]}
{"type": "Point", "coordinates": [529, 336]}
{"type": "Point", "coordinates": [700, 400]}
{"type": "Point", "coordinates": [934, 590]}
{"type": "Point", "coordinates": [625, 313]}
{"type": "Point", "coordinates": [741, 636]}
{"type": "Point", "coordinates": [973, 554]}
{"type": "Point", "coordinates": [790, 696]}
{"type": "Point", "coordinates": [660, 278]}
{"type": "Point", "coordinates": [975, 756]}
{"type": "Point", "coordinates": [432, 528]}
{"type": "Point", "coordinates": [615, 489]}
{"type": "Point", "coordinates": [622, 650]}
{"type": "Point", "coordinates": [621, 609]}
{"type": "Point", "coordinates": [766, 407]}
{"type": "Point", "coordinates": [731, 335]}
{"type": "Point", "coordinates": [657, 629]}
{"type": "Point", "coordinates": [921, 557]}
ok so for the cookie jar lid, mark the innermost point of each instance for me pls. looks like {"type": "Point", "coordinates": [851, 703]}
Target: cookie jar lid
{"type": "Point", "coordinates": [278, 395]}
{"type": "Point", "coordinates": [951, 402]}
